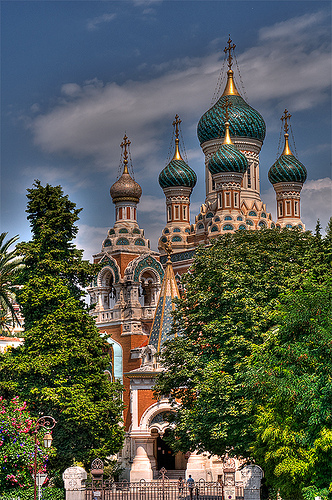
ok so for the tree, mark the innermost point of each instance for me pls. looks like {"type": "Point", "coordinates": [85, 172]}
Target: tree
{"type": "Point", "coordinates": [17, 446]}
{"type": "Point", "coordinates": [60, 368]}
{"type": "Point", "coordinates": [290, 375]}
{"type": "Point", "coordinates": [232, 297]}
{"type": "Point", "coordinates": [10, 265]}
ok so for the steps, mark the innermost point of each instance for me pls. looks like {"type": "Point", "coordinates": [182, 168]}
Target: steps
{"type": "Point", "coordinates": [172, 475]}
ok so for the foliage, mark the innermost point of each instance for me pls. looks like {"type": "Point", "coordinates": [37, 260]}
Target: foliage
{"type": "Point", "coordinates": [10, 265]}
{"type": "Point", "coordinates": [28, 494]}
{"type": "Point", "coordinates": [291, 376]}
{"type": "Point", "coordinates": [233, 295]}
{"type": "Point", "coordinates": [60, 368]}
{"type": "Point", "coordinates": [17, 446]}
{"type": "Point", "coordinates": [112, 469]}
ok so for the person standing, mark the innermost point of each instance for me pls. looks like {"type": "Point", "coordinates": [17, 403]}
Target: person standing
{"type": "Point", "coordinates": [190, 484]}
{"type": "Point", "coordinates": [180, 486]}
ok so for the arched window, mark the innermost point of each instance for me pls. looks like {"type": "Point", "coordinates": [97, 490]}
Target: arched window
{"type": "Point", "coordinates": [107, 243]}
{"type": "Point", "coordinates": [111, 231]}
{"type": "Point", "coordinates": [200, 217]}
{"type": "Point", "coordinates": [200, 226]}
{"type": "Point", "coordinates": [136, 231]}
{"type": "Point", "coordinates": [249, 222]}
{"type": "Point", "coordinates": [122, 241]}
{"type": "Point", "coordinates": [261, 223]}
{"type": "Point", "coordinates": [209, 215]}
{"type": "Point", "coordinates": [140, 242]}
{"type": "Point", "coordinates": [176, 238]}
{"type": "Point", "coordinates": [289, 226]}
{"type": "Point", "coordinates": [252, 213]}
{"type": "Point", "coordinates": [216, 219]}
{"type": "Point", "coordinates": [123, 230]}
{"type": "Point", "coordinates": [239, 218]}
{"type": "Point", "coordinates": [176, 230]}
{"type": "Point", "coordinates": [263, 215]}
{"type": "Point", "coordinates": [228, 217]}
{"type": "Point", "coordinates": [166, 231]}
{"type": "Point", "coordinates": [300, 226]}
{"type": "Point", "coordinates": [187, 230]}
{"type": "Point", "coordinates": [116, 364]}
{"type": "Point", "coordinates": [214, 229]}
{"type": "Point", "coordinates": [242, 227]}
{"type": "Point", "coordinates": [164, 239]}
{"type": "Point", "coordinates": [273, 225]}
{"type": "Point", "coordinates": [228, 227]}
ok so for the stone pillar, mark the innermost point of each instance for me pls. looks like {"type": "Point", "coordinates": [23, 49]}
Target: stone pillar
{"type": "Point", "coordinates": [73, 478]}
{"type": "Point", "coordinates": [141, 467]}
{"type": "Point", "coordinates": [251, 476]}
{"type": "Point", "coordinates": [196, 466]}
{"type": "Point", "coordinates": [229, 478]}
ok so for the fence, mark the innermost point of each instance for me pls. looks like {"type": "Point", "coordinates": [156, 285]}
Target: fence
{"type": "Point", "coordinates": [163, 489]}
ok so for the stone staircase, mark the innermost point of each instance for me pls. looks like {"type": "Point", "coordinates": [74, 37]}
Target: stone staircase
{"type": "Point", "coordinates": [172, 475]}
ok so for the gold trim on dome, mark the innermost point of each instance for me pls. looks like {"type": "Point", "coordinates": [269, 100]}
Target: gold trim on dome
{"type": "Point", "coordinates": [230, 88]}
{"type": "Point", "coordinates": [285, 117]}
{"type": "Point", "coordinates": [286, 150]}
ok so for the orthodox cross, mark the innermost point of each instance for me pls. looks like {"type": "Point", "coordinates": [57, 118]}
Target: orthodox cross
{"type": "Point", "coordinates": [286, 116]}
{"type": "Point", "coordinates": [226, 105]}
{"type": "Point", "coordinates": [176, 124]}
{"type": "Point", "coordinates": [229, 50]}
{"type": "Point", "coordinates": [124, 145]}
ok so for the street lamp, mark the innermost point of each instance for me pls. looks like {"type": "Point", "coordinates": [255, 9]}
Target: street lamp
{"type": "Point", "coordinates": [47, 423]}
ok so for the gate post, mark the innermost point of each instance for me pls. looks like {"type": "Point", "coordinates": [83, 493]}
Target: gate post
{"type": "Point", "coordinates": [97, 473]}
{"type": "Point", "coordinates": [74, 482]}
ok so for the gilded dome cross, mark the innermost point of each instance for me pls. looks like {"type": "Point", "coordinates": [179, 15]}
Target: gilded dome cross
{"type": "Point", "coordinates": [229, 50]}
{"type": "Point", "coordinates": [124, 144]}
{"type": "Point", "coordinates": [286, 116]}
{"type": "Point", "coordinates": [176, 124]}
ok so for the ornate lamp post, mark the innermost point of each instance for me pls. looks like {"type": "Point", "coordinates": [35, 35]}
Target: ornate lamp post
{"type": "Point", "coordinates": [47, 423]}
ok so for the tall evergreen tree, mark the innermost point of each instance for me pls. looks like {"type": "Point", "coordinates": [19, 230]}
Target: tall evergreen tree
{"type": "Point", "coordinates": [60, 368]}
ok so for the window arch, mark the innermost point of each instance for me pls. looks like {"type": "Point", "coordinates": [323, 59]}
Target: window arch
{"type": "Point", "coordinates": [217, 219]}
{"type": "Point", "coordinates": [214, 229]}
{"type": "Point", "coordinates": [261, 223]}
{"type": "Point", "coordinates": [239, 218]}
{"type": "Point", "coordinates": [263, 214]}
{"type": "Point", "coordinates": [164, 239]}
{"type": "Point", "coordinates": [123, 230]}
{"type": "Point", "coordinates": [228, 227]}
{"type": "Point", "coordinates": [200, 226]}
{"type": "Point", "coordinates": [122, 241]}
{"type": "Point", "coordinates": [289, 226]}
{"type": "Point", "coordinates": [209, 215]}
{"type": "Point", "coordinates": [136, 231]}
{"type": "Point", "coordinates": [176, 230]}
{"type": "Point", "coordinates": [242, 227]}
{"type": "Point", "coordinates": [176, 238]}
{"type": "Point", "coordinates": [107, 243]}
{"type": "Point", "coordinates": [252, 213]}
{"type": "Point", "coordinates": [249, 222]}
{"type": "Point", "coordinates": [228, 217]}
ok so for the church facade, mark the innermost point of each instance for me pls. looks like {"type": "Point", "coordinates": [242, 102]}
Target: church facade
{"type": "Point", "coordinates": [135, 287]}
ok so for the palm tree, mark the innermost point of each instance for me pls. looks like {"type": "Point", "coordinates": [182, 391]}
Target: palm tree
{"type": "Point", "coordinates": [10, 265]}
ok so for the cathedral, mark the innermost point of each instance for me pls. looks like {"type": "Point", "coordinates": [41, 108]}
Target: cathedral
{"type": "Point", "coordinates": [134, 290]}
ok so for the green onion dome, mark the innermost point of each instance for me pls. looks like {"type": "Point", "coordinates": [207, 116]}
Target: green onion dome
{"type": "Point", "coordinates": [245, 121]}
{"type": "Point", "coordinates": [287, 168]}
{"type": "Point", "coordinates": [228, 159]}
{"type": "Point", "coordinates": [177, 173]}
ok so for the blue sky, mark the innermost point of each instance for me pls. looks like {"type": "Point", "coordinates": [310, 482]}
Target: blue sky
{"type": "Point", "coordinates": [75, 75]}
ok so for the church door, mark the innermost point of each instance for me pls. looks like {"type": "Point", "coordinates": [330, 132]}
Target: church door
{"type": "Point", "coordinates": [165, 456]}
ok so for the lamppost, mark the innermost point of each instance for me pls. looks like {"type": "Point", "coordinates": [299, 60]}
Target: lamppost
{"type": "Point", "coordinates": [47, 423]}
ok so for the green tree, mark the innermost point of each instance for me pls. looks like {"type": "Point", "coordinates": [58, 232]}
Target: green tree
{"type": "Point", "coordinates": [60, 368]}
{"type": "Point", "coordinates": [17, 446]}
{"type": "Point", "coordinates": [290, 375]}
{"type": "Point", "coordinates": [10, 265]}
{"type": "Point", "coordinates": [232, 297]}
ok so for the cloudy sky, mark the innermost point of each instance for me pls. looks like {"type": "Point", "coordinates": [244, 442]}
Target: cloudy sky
{"type": "Point", "coordinates": [77, 75]}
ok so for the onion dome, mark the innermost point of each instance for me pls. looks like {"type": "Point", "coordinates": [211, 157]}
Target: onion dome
{"type": "Point", "coordinates": [125, 188]}
{"type": "Point", "coordinates": [287, 168]}
{"type": "Point", "coordinates": [245, 121]}
{"type": "Point", "coordinates": [227, 158]}
{"type": "Point", "coordinates": [177, 172]}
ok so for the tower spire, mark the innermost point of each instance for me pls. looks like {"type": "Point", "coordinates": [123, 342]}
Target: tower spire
{"type": "Point", "coordinates": [230, 88]}
{"type": "Point", "coordinates": [124, 145]}
{"type": "Point", "coordinates": [226, 105]}
{"type": "Point", "coordinates": [285, 117]}
{"type": "Point", "coordinates": [176, 124]}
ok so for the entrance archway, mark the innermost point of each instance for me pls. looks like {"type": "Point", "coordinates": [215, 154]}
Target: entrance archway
{"type": "Point", "coordinates": [165, 456]}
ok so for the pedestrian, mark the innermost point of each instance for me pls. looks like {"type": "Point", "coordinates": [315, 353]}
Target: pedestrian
{"type": "Point", "coordinates": [190, 484]}
{"type": "Point", "coordinates": [180, 486]}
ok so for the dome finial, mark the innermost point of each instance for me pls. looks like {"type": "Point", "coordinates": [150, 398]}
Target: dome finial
{"type": "Point", "coordinates": [229, 50]}
{"type": "Point", "coordinates": [176, 124]}
{"type": "Point", "coordinates": [285, 117]}
{"type": "Point", "coordinates": [226, 105]}
{"type": "Point", "coordinates": [230, 88]}
{"type": "Point", "coordinates": [126, 142]}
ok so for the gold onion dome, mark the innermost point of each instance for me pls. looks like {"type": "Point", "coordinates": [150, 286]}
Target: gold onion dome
{"type": "Point", "coordinates": [125, 188]}
{"type": "Point", "coordinates": [287, 168]}
{"type": "Point", "coordinates": [177, 172]}
{"type": "Point", "coordinates": [245, 121]}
